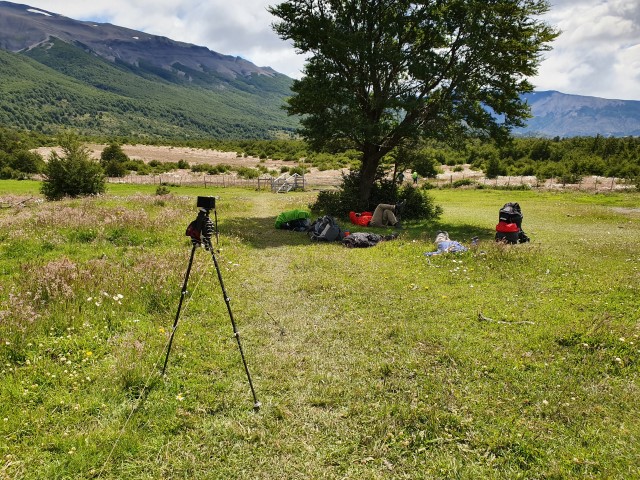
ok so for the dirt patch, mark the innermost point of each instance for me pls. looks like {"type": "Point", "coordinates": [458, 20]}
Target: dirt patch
{"type": "Point", "coordinates": [632, 212]}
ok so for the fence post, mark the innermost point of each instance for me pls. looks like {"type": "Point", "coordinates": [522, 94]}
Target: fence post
{"type": "Point", "coordinates": [613, 181]}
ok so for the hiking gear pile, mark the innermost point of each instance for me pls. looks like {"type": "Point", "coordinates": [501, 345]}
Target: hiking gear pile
{"type": "Point", "coordinates": [326, 229]}
{"type": "Point", "coordinates": [509, 227]}
{"type": "Point", "coordinates": [297, 220]}
{"type": "Point", "coordinates": [365, 239]}
{"type": "Point", "coordinates": [361, 219]}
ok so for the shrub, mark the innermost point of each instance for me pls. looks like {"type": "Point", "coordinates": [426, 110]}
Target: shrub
{"type": "Point", "coordinates": [7, 173]}
{"type": "Point", "coordinates": [298, 170]}
{"type": "Point", "coordinates": [465, 182]}
{"type": "Point", "coordinates": [419, 205]}
{"type": "Point", "coordinates": [74, 173]}
{"type": "Point", "coordinates": [246, 172]}
{"type": "Point", "coordinates": [27, 162]}
{"type": "Point", "coordinates": [113, 152]}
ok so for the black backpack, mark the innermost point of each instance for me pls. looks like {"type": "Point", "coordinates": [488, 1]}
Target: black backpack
{"type": "Point", "coordinates": [511, 213]}
{"type": "Point", "coordinates": [325, 229]}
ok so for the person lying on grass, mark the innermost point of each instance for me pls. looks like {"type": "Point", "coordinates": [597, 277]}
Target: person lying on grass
{"type": "Point", "coordinates": [385, 214]}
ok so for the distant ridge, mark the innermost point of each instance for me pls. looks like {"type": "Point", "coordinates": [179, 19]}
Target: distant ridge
{"type": "Point", "coordinates": [564, 115]}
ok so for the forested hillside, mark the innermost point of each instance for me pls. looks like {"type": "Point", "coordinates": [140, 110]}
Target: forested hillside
{"type": "Point", "coordinates": [61, 86]}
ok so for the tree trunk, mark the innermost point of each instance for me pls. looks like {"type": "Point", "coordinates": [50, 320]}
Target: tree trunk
{"type": "Point", "coordinates": [370, 161]}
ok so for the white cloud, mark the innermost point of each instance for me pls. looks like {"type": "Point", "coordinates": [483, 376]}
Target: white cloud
{"type": "Point", "coordinates": [597, 53]}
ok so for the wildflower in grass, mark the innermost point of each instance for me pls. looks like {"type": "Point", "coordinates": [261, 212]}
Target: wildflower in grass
{"type": "Point", "coordinates": [88, 353]}
{"type": "Point", "coordinates": [161, 330]}
{"type": "Point", "coordinates": [180, 397]}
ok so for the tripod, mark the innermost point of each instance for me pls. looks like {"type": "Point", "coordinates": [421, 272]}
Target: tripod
{"type": "Point", "coordinates": [201, 230]}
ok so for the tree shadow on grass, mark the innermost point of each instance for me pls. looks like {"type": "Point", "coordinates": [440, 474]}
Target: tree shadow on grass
{"type": "Point", "coordinates": [261, 232]}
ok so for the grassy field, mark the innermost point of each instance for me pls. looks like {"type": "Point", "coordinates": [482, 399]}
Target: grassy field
{"type": "Point", "coordinates": [503, 362]}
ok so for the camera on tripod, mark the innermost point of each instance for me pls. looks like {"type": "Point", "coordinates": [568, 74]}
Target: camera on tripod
{"type": "Point", "coordinates": [202, 228]}
{"type": "Point", "coordinates": [207, 203]}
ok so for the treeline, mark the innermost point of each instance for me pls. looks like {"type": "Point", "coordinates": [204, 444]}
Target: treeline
{"type": "Point", "coordinates": [567, 159]}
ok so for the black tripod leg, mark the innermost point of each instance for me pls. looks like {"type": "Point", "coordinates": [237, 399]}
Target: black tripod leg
{"type": "Point", "coordinates": [182, 295]}
{"type": "Point", "coordinates": [215, 216]}
{"type": "Point", "coordinates": [236, 334]}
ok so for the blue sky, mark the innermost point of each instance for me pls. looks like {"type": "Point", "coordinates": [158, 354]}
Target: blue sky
{"type": "Point", "coordinates": [597, 53]}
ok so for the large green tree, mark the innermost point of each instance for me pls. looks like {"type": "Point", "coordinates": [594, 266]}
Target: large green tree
{"type": "Point", "coordinates": [379, 72]}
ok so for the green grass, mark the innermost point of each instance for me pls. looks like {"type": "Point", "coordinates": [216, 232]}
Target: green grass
{"type": "Point", "coordinates": [369, 363]}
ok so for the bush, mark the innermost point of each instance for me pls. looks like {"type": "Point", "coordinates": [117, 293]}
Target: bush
{"type": "Point", "coordinates": [419, 205]}
{"type": "Point", "coordinates": [74, 173]}
{"type": "Point", "coordinates": [298, 170]}
{"type": "Point", "coordinates": [113, 152]}
{"type": "Point", "coordinates": [246, 172]}
{"type": "Point", "coordinates": [465, 182]}
{"type": "Point", "coordinates": [27, 162]}
{"type": "Point", "coordinates": [114, 169]}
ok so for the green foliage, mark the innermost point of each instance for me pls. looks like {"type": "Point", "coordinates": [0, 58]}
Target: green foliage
{"type": "Point", "coordinates": [421, 159]}
{"type": "Point", "coordinates": [16, 161]}
{"type": "Point", "coordinates": [74, 173]}
{"type": "Point", "coordinates": [27, 162]}
{"type": "Point", "coordinates": [465, 182]}
{"type": "Point", "coordinates": [114, 160]}
{"type": "Point", "coordinates": [369, 78]}
{"type": "Point", "coordinates": [113, 152]}
{"type": "Point", "coordinates": [57, 86]}
{"type": "Point", "coordinates": [247, 172]}
{"type": "Point", "coordinates": [418, 204]}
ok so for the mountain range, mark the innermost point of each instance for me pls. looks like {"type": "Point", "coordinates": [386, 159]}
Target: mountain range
{"type": "Point", "coordinates": [563, 115]}
{"type": "Point", "coordinates": [101, 79]}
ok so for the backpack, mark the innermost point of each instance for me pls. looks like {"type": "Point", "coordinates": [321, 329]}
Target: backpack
{"type": "Point", "coordinates": [325, 229]}
{"type": "Point", "coordinates": [511, 213]}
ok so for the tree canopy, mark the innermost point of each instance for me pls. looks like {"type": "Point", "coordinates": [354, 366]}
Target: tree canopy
{"type": "Point", "coordinates": [381, 72]}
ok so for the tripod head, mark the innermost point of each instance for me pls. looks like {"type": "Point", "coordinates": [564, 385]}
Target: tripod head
{"type": "Point", "coordinates": [206, 203]}
{"type": "Point", "coordinates": [202, 228]}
